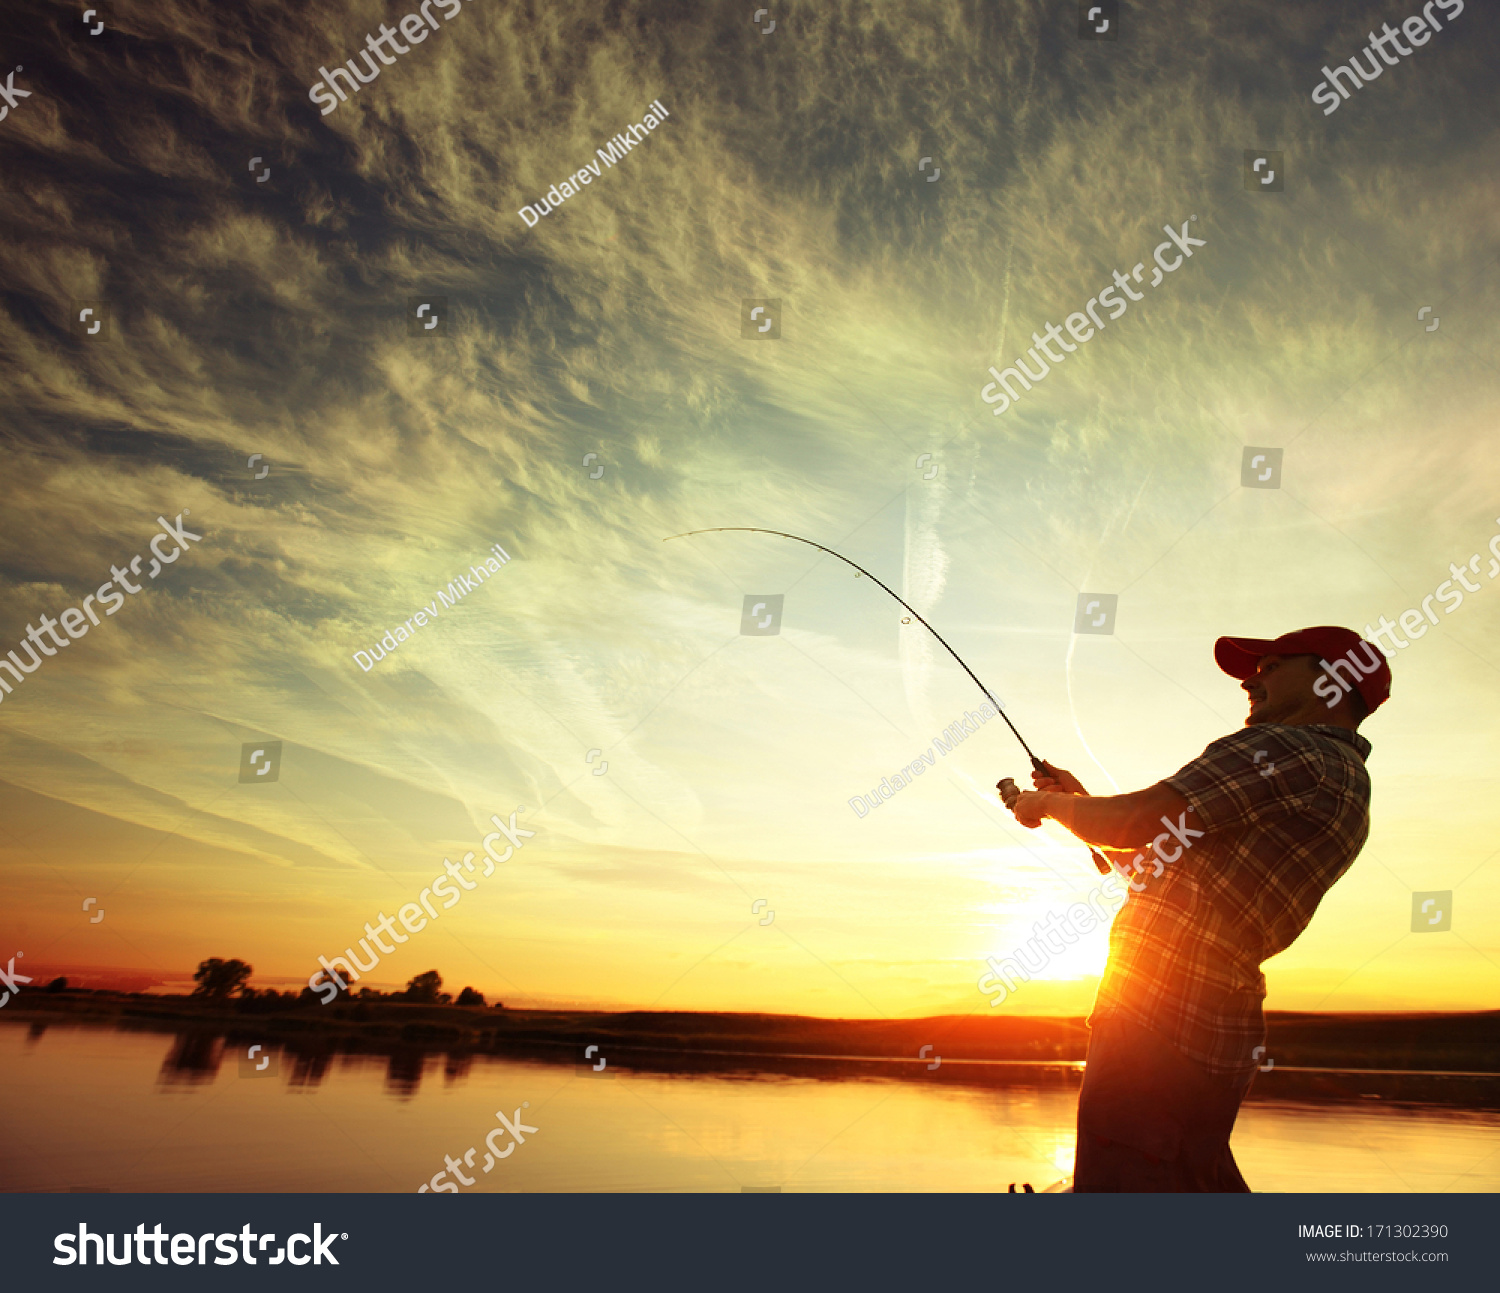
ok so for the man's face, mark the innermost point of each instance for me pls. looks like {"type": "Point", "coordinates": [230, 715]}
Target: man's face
{"type": "Point", "coordinates": [1281, 687]}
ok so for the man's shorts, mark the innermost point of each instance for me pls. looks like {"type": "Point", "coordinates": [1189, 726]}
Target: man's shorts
{"type": "Point", "coordinates": [1150, 1120]}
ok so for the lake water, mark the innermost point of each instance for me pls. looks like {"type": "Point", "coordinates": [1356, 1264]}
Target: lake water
{"type": "Point", "coordinates": [92, 1108]}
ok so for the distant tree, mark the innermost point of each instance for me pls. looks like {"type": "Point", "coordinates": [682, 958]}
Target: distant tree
{"type": "Point", "coordinates": [468, 997]}
{"type": "Point", "coordinates": [218, 978]}
{"type": "Point", "coordinates": [370, 994]}
{"type": "Point", "coordinates": [499, 1005]}
{"type": "Point", "coordinates": [424, 987]}
{"type": "Point", "coordinates": [265, 1001]}
{"type": "Point", "coordinates": [59, 984]}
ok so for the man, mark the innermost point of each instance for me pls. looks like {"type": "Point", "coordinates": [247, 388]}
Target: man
{"type": "Point", "coordinates": [1243, 843]}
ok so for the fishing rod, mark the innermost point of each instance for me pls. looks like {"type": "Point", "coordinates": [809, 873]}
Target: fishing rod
{"type": "Point", "coordinates": [1039, 765]}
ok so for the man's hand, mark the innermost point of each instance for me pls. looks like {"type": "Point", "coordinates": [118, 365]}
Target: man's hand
{"type": "Point", "coordinates": [1029, 806]}
{"type": "Point", "coordinates": [1059, 780]}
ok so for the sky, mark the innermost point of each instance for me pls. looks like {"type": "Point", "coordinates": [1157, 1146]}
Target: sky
{"type": "Point", "coordinates": [592, 390]}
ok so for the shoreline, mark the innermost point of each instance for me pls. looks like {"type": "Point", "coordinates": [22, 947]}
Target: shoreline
{"type": "Point", "coordinates": [1451, 1060]}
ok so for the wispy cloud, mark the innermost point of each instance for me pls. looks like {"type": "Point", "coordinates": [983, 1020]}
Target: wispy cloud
{"type": "Point", "coordinates": [270, 318]}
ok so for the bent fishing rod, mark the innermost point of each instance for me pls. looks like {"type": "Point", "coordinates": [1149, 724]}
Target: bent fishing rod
{"type": "Point", "coordinates": [1040, 765]}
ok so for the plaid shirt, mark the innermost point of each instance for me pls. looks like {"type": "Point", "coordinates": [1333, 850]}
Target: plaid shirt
{"type": "Point", "coordinates": [1185, 953]}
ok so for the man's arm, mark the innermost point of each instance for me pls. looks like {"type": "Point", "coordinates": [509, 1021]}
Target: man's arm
{"type": "Point", "coordinates": [1110, 821]}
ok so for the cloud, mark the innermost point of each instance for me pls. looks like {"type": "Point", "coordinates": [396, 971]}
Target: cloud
{"type": "Point", "coordinates": [270, 318]}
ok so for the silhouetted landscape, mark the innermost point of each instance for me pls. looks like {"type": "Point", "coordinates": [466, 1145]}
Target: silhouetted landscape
{"type": "Point", "coordinates": [1451, 1059]}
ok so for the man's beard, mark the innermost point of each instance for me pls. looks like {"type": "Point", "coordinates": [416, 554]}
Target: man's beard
{"type": "Point", "coordinates": [1272, 713]}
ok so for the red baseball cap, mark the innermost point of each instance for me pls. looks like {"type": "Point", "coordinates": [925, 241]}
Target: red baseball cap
{"type": "Point", "coordinates": [1239, 657]}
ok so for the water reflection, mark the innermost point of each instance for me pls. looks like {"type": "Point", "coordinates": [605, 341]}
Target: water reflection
{"type": "Point", "coordinates": [196, 1057]}
{"type": "Point", "coordinates": [308, 1071]}
{"type": "Point", "coordinates": [193, 1059]}
{"type": "Point", "coordinates": [403, 1074]}
{"type": "Point", "coordinates": [90, 1101]}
